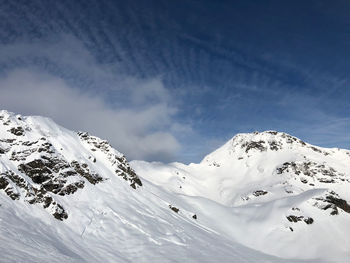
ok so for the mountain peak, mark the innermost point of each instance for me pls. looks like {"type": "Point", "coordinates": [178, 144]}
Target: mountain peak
{"type": "Point", "coordinates": [270, 137]}
{"type": "Point", "coordinates": [255, 143]}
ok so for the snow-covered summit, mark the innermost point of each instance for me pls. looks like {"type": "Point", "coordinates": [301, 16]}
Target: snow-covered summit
{"type": "Point", "coordinates": [246, 144]}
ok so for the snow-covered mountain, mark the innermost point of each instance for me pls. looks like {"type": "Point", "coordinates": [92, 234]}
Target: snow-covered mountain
{"type": "Point", "coordinates": [261, 197]}
{"type": "Point", "coordinates": [277, 194]}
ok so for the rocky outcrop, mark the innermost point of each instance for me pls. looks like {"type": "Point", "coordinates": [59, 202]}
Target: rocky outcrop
{"type": "Point", "coordinates": [257, 145]}
{"type": "Point", "coordinates": [259, 192]}
{"type": "Point", "coordinates": [308, 170]}
{"type": "Point", "coordinates": [333, 203]}
{"type": "Point", "coordinates": [175, 209]}
{"type": "Point", "coordinates": [295, 219]}
{"type": "Point", "coordinates": [117, 160]}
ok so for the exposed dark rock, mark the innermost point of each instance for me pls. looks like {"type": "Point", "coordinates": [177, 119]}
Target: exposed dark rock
{"type": "Point", "coordinates": [315, 149]}
{"type": "Point", "coordinates": [71, 188]}
{"type": "Point", "coordinates": [49, 172]}
{"type": "Point", "coordinates": [18, 180]}
{"type": "Point", "coordinates": [3, 183]}
{"type": "Point", "coordinates": [18, 131]}
{"type": "Point", "coordinates": [47, 201]}
{"type": "Point", "coordinates": [47, 148]}
{"type": "Point", "coordinates": [254, 145]}
{"type": "Point", "coordinates": [289, 139]}
{"type": "Point", "coordinates": [295, 219]}
{"type": "Point", "coordinates": [332, 202]}
{"type": "Point", "coordinates": [274, 146]}
{"type": "Point", "coordinates": [9, 141]}
{"type": "Point", "coordinates": [22, 155]}
{"type": "Point", "coordinates": [128, 174]}
{"type": "Point", "coordinates": [10, 192]}
{"type": "Point", "coordinates": [60, 213]}
{"type": "Point", "coordinates": [326, 180]}
{"type": "Point", "coordinates": [303, 180]}
{"type": "Point", "coordinates": [272, 132]}
{"type": "Point", "coordinates": [340, 203]}
{"type": "Point", "coordinates": [29, 143]}
{"type": "Point", "coordinates": [37, 170]}
{"type": "Point", "coordinates": [136, 181]}
{"type": "Point", "coordinates": [6, 186]}
{"type": "Point", "coordinates": [84, 171]}
{"type": "Point", "coordinates": [320, 172]}
{"type": "Point", "coordinates": [34, 194]}
{"type": "Point", "coordinates": [102, 145]}
{"type": "Point", "coordinates": [260, 192]}
{"type": "Point", "coordinates": [175, 209]}
{"type": "Point", "coordinates": [302, 142]}
{"type": "Point", "coordinates": [216, 164]}
{"type": "Point", "coordinates": [53, 186]}
{"type": "Point", "coordinates": [308, 220]}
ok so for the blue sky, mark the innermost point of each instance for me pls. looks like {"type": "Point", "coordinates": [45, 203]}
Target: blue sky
{"type": "Point", "coordinates": [172, 80]}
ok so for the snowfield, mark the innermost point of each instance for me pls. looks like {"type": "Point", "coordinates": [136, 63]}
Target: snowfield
{"type": "Point", "coordinates": [261, 197]}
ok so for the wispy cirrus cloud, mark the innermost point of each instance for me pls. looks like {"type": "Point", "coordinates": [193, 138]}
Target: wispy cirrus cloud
{"type": "Point", "coordinates": [212, 70]}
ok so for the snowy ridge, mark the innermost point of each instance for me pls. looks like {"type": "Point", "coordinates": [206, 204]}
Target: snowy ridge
{"type": "Point", "coordinates": [261, 197]}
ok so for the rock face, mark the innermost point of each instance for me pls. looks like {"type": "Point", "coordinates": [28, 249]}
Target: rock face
{"type": "Point", "coordinates": [38, 164]}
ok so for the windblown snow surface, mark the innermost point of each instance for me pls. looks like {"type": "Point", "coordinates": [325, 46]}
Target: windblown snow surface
{"type": "Point", "coordinates": [261, 197]}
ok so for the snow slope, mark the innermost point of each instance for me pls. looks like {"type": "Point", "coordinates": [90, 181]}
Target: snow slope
{"type": "Point", "coordinates": [71, 197]}
{"type": "Point", "coordinates": [269, 191]}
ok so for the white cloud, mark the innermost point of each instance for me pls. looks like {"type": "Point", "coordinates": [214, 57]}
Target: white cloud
{"type": "Point", "coordinates": [141, 131]}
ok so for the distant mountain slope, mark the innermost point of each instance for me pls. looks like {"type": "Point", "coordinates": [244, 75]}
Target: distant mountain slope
{"type": "Point", "coordinates": [71, 197]}
{"type": "Point", "coordinates": [278, 194]}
